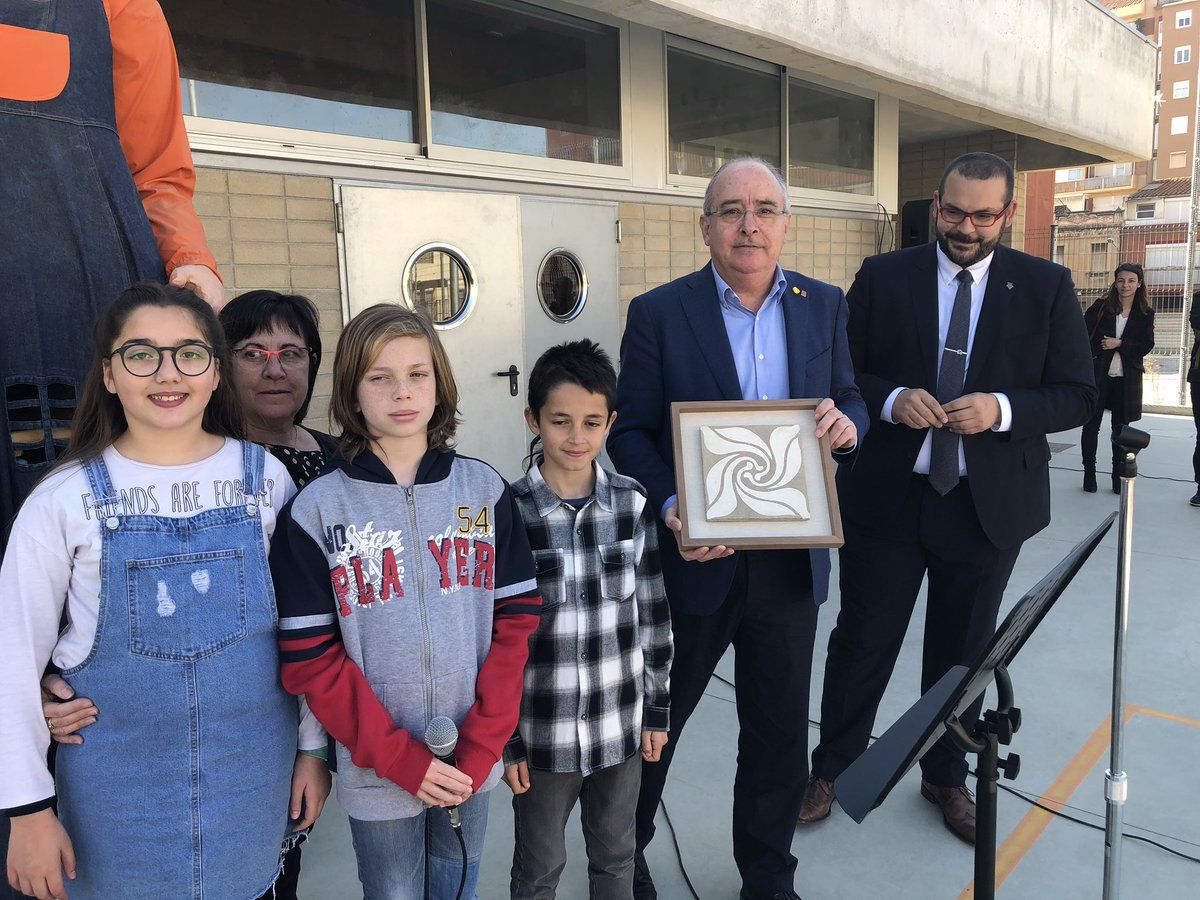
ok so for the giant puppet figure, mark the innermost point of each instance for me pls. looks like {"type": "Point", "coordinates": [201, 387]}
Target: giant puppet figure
{"type": "Point", "coordinates": [96, 185]}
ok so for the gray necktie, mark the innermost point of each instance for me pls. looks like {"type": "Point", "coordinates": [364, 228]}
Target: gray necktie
{"type": "Point", "coordinates": [943, 460]}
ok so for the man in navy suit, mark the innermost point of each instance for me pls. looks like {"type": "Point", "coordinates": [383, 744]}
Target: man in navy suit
{"type": "Point", "coordinates": [968, 354]}
{"type": "Point", "coordinates": [739, 329]}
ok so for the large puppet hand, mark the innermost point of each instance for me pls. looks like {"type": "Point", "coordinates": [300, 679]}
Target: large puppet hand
{"type": "Point", "coordinates": [203, 282]}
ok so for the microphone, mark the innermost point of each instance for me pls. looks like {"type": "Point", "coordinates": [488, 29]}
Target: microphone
{"type": "Point", "coordinates": [441, 737]}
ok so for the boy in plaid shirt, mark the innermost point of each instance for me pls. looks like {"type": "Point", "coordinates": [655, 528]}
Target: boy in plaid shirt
{"type": "Point", "coordinates": [596, 690]}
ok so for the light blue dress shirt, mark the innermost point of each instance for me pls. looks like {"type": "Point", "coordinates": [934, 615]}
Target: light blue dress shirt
{"type": "Point", "coordinates": [758, 340]}
{"type": "Point", "coordinates": [759, 344]}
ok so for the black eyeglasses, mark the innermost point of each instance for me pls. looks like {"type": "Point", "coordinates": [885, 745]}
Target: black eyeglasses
{"type": "Point", "coordinates": [143, 360]}
{"type": "Point", "coordinates": [952, 215]}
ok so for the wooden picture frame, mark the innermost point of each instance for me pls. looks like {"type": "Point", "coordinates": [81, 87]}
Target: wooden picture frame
{"type": "Point", "coordinates": [753, 475]}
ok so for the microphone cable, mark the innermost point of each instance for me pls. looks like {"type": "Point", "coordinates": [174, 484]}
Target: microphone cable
{"type": "Point", "coordinates": [1034, 801]}
{"type": "Point", "coordinates": [678, 852]}
{"type": "Point", "coordinates": [456, 827]}
{"type": "Point", "coordinates": [1140, 475]}
{"type": "Point", "coordinates": [441, 737]}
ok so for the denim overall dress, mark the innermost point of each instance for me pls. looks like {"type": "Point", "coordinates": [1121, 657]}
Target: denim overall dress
{"type": "Point", "coordinates": [181, 788]}
{"type": "Point", "coordinates": [73, 232]}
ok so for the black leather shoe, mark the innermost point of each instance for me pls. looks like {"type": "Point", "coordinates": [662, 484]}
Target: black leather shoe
{"type": "Point", "coordinates": [778, 895]}
{"type": "Point", "coordinates": [1195, 501]}
{"type": "Point", "coordinates": [1089, 480]}
{"type": "Point", "coordinates": [643, 884]}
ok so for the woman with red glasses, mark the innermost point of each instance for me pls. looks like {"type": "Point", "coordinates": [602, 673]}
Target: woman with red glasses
{"type": "Point", "coordinates": [276, 343]}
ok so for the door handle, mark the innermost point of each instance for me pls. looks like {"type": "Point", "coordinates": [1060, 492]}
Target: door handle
{"type": "Point", "coordinates": [511, 373]}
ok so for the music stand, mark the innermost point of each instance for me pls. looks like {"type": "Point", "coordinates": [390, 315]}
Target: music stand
{"type": "Point", "coordinates": [870, 778]}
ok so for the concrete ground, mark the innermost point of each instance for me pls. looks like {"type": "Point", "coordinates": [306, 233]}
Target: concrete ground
{"type": "Point", "coordinates": [1062, 681]}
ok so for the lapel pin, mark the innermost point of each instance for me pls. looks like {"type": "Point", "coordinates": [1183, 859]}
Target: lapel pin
{"type": "Point", "coordinates": [1009, 285]}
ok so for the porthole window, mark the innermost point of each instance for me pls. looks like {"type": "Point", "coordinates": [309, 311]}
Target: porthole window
{"type": "Point", "coordinates": [439, 280]}
{"type": "Point", "coordinates": [562, 285]}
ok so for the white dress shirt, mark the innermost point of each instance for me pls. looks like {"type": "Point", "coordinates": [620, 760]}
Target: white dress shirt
{"type": "Point", "coordinates": [947, 288]}
{"type": "Point", "coordinates": [1115, 368]}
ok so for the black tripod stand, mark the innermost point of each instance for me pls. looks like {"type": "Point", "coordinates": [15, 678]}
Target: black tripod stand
{"type": "Point", "coordinates": [870, 778]}
{"type": "Point", "coordinates": [995, 728]}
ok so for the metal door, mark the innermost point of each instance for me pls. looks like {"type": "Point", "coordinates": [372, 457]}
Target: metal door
{"type": "Point", "coordinates": [386, 230]}
{"type": "Point", "coordinates": [568, 245]}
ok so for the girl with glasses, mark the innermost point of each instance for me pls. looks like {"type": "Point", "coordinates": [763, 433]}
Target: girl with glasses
{"type": "Point", "coordinates": [150, 539]}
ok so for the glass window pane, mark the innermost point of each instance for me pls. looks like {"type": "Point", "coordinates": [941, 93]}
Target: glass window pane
{"type": "Point", "coordinates": [717, 111]}
{"type": "Point", "coordinates": [337, 66]}
{"type": "Point", "coordinates": [561, 286]}
{"type": "Point", "coordinates": [440, 283]}
{"type": "Point", "coordinates": [506, 76]}
{"type": "Point", "coordinates": [831, 139]}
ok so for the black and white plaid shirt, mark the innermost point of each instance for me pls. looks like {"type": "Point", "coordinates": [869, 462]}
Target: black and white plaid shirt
{"type": "Point", "coordinates": [597, 671]}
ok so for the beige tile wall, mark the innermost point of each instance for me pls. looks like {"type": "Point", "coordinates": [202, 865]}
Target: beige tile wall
{"type": "Point", "coordinates": [276, 231]}
{"type": "Point", "coordinates": [660, 243]}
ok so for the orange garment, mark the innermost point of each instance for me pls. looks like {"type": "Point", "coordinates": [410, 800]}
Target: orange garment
{"type": "Point", "coordinates": [150, 128]}
{"type": "Point", "coordinates": [35, 65]}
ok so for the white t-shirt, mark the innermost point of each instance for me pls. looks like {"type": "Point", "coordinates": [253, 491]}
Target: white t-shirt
{"type": "Point", "coordinates": [52, 563]}
{"type": "Point", "coordinates": [1116, 369]}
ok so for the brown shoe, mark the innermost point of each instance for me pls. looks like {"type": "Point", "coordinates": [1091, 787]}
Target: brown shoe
{"type": "Point", "coordinates": [818, 801]}
{"type": "Point", "coordinates": [958, 808]}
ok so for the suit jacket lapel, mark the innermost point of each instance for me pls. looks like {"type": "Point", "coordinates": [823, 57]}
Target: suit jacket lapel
{"type": "Point", "coordinates": [923, 293]}
{"type": "Point", "coordinates": [997, 301]}
{"type": "Point", "coordinates": [703, 311]}
{"type": "Point", "coordinates": [795, 322]}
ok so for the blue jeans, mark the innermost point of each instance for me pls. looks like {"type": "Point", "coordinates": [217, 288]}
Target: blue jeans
{"type": "Point", "coordinates": [395, 855]}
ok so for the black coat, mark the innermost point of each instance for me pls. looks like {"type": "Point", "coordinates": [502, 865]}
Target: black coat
{"type": "Point", "coordinates": [1030, 344]}
{"type": "Point", "coordinates": [1194, 369]}
{"type": "Point", "coordinates": [1136, 341]}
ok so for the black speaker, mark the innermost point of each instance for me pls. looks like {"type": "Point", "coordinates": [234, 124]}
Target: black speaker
{"type": "Point", "coordinates": [914, 223]}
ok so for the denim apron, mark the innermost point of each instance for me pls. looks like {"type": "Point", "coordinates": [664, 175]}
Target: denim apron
{"type": "Point", "coordinates": [181, 788]}
{"type": "Point", "coordinates": [73, 233]}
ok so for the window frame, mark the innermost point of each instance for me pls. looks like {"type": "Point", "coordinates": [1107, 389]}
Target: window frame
{"type": "Point", "coordinates": [1186, 84]}
{"type": "Point", "coordinates": [1175, 120]}
{"type": "Point", "coordinates": [1183, 18]}
{"type": "Point", "coordinates": [1139, 207]}
{"type": "Point", "coordinates": [469, 275]}
{"type": "Point", "coordinates": [1183, 54]}
{"type": "Point", "coordinates": [796, 196]}
{"type": "Point", "coordinates": [1182, 154]}
{"type": "Point", "coordinates": [453, 154]}
{"type": "Point", "coordinates": [581, 303]}
{"type": "Point", "coordinates": [277, 142]}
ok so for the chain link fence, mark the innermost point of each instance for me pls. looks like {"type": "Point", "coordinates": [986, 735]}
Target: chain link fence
{"type": "Point", "coordinates": [1092, 252]}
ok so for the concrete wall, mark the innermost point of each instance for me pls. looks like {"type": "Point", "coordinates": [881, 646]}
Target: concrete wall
{"type": "Point", "coordinates": [1052, 69]}
{"type": "Point", "coordinates": [274, 231]}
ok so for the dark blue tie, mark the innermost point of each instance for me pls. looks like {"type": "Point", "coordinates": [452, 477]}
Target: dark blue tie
{"type": "Point", "coordinates": [943, 461]}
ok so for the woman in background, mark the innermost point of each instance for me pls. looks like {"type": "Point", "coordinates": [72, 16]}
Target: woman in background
{"type": "Point", "coordinates": [276, 343]}
{"type": "Point", "coordinates": [1121, 327]}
